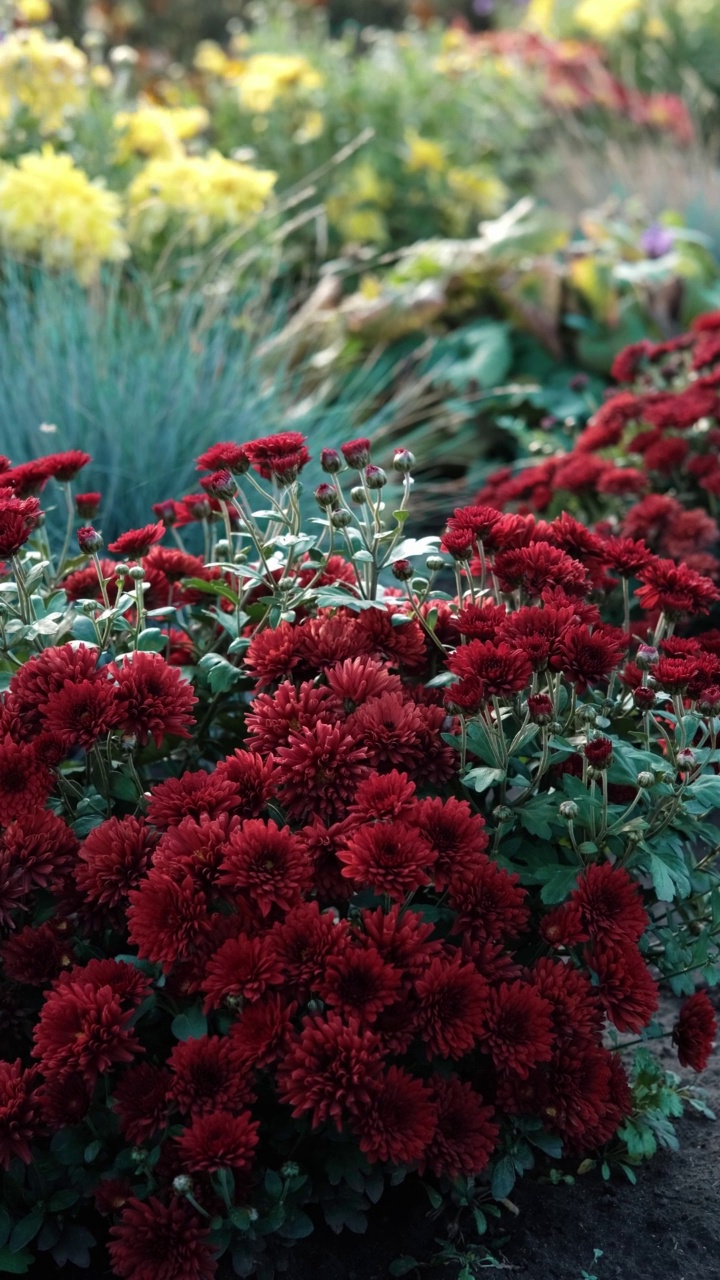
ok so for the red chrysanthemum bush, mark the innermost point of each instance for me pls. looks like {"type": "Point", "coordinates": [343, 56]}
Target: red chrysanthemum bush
{"type": "Point", "coordinates": [321, 868]}
{"type": "Point", "coordinates": [646, 468]}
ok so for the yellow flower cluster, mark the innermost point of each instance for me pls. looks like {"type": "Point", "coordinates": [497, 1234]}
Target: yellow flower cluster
{"type": "Point", "coordinates": [51, 210]}
{"type": "Point", "coordinates": [158, 132]}
{"type": "Point", "coordinates": [199, 194]}
{"type": "Point", "coordinates": [260, 79]}
{"type": "Point", "coordinates": [47, 78]}
{"type": "Point", "coordinates": [33, 10]}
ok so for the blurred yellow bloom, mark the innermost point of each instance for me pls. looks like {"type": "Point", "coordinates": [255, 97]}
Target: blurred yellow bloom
{"type": "Point", "coordinates": [203, 194]}
{"type": "Point", "coordinates": [602, 18]}
{"type": "Point", "coordinates": [33, 10]}
{"type": "Point", "coordinates": [483, 191]}
{"type": "Point", "coordinates": [312, 127]}
{"type": "Point", "coordinates": [424, 154]}
{"type": "Point", "coordinates": [101, 76]}
{"type": "Point", "coordinates": [46, 77]}
{"type": "Point", "coordinates": [265, 77]}
{"type": "Point", "coordinates": [51, 210]}
{"type": "Point", "coordinates": [158, 131]}
{"type": "Point", "coordinates": [355, 210]}
{"type": "Point", "coordinates": [210, 58]}
{"type": "Point", "coordinates": [539, 16]}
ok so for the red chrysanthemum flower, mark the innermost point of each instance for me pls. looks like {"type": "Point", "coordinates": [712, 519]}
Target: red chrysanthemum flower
{"type": "Point", "coordinates": [319, 771]}
{"type": "Point", "coordinates": [582, 1094]}
{"type": "Point", "coordinates": [323, 843]}
{"type": "Point", "coordinates": [356, 680]}
{"type": "Point", "coordinates": [81, 712]}
{"type": "Point", "coordinates": [531, 569]}
{"type": "Point", "coordinates": [84, 1027]}
{"type": "Point", "coordinates": [253, 779]}
{"type": "Point", "coordinates": [329, 1067]}
{"type": "Point", "coordinates": [19, 517]}
{"type": "Point", "coordinates": [398, 1122]}
{"type": "Point", "coordinates": [37, 954]}
{"type": "Point", "coordinates": [262, 1032]}
{"type": "Point", "coordinates": [490, 904]}
{"type": "Point", "coordinates": [195, 848]}
{"type": "Point", "coordinates": [241, 969]}
{"type": "Point", "coordinates": [403, 939]}
{"type": "Point", "coordinates": [207, 1077]}
{"type": "Point", "coordinates": [65, 466]}
{"type": "Point", "coordinates": [154, 1241]}
{"type": "Point", "coordinates": [391, 732]}
{"type": "Point", "coordinates": [466, 1132]}
{"type": "Point", "coordinates": [518, 1028]}
{"type": "Point", "coordinates": [273, 653]}
{"type": "Point", "coordinates": [41, 846]}
{"type": "Point", "coordinates": [675, 589]}
{"type": "Point", "coordinates": [112, 860]}
{"type": "Point", "coordinates": [694, 1032]}
{"type": "Point", "coordinates": [168, 919]}
{"type": "Point", "coordinates": [576, 1013]}
{"type": "Point", "coordinates": [359, 984]}
{"type": "Point", "coordinates": [87, 505]}
{"type": "Point", "coordinates": [400, 645]}
{"type": "Point", "coordinates": [453, 1002]}
{"type": "Point", "coordinates": [389, 795]}
{"type": "Point", "coordinates": [27, 478]}
{"type": "Point", "coordinates": [152, 698]}
{"type": "Point", "coordinates": [137, 542]}
{"type": "Point", "coordinates": [496, 670]}
{"type": "Point", "coordinates": [267, 862]}
{"type": "Point", "coordinates": [390, 857]}
{"type": "Point", "coordinates": [20, 1112]}
{"type": "Point", "coordinates": [226, 456]}
{"type": "Point", "coordinates": [140, 1099]}
{"type": "Point", "coordinates": [305, 943]}
{"type": "Point", "coordinates": [536, 632]}
{"type": "Point", "coordinates": [587, 657]}
{"type": "Point", "coordinates": [273, 455]}
{"type": "Point", "coordinates": [127, 981]}
{"type": "Point", "coordinates": [220, 1140]}
{"type": "Point", "coordinates": [194, 795]}
{"type": "Point", "coordinates": [627, 990]}
{"type": "Point", "coordinates": [274, 716]}
{"type": "Point", "coordinates": [65, 1100]}
{"type": "Point", "coordinates": [610, 904]}
{"type": "Point", "coordinates": [25, 782]}
{"type": "Point", "coordinates": [456, 835]}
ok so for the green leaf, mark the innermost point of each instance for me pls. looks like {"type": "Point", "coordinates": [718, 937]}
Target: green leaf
{"type": "Point", "coordinates": [402, 1266]}
{"type": "Point", "coordinates": [240, 1219]}
{"type": "Point", "coordinates": [503, 1178]}
{"type": "Point", "coordinates": [14, 1264]}
{"type": "Point", "coordinates": [151, 640]}
{"type": "Point", "coordinates": [26, 1229]}
{"type": "Point", "coordinates": [191, 1025]}
{"type": "Point", "coordinates": [482, 778]}
{"type": "Point", "coordinates": [550, 1143]}
{"type": "Point", "coordinates": [92, 1151]}
{"type": "Point", "coordinates": [221, 674]}
{"type": "Point", "coordinates": [559, 883]}
{"type": "Point", "coordinates": [273, 1183]}
{"type": "Point", "coordinates": [297, 1225]}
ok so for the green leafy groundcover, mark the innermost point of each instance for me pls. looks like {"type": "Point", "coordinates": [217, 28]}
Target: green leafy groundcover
{"type": "Point", "coordinates": [334, 857]}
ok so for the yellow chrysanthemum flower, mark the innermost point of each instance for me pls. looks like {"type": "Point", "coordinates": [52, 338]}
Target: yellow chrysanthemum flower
{"type": "Point", "coordinates": [204, 194]}
{"type": "Point", "coordinates": [33, 10]}
{"type": "Point", "coordinates": [48, 78]}
{"type": "Point", "coordinates": [423, 154]}
{"type": "Point", "coordinates": [50, 210]}
{"type": "Point", "coordinates": [158, 131]}
{"type": "Point", "coordinates": [210, 58]}
{"type": "Point", "coordinates": [602, 18]}
{"type": "Point", "coordinates": [482, 190]}
{"type": "Point", "coordinates": [101, 76]}
{"type": "Point", "coordinates": [265, 77]}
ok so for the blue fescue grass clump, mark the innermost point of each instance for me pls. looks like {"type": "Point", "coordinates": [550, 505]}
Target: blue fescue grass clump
{"type": "Point", "coordinates": [141, 380]}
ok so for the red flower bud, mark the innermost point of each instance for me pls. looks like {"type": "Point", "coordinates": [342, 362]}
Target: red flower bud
{"type": "Point", "coordinates": [598, 753]}
{"type": "Point", "coordinates": [89, 540]}
{"type": "Point", "coordinates": [356, 453]}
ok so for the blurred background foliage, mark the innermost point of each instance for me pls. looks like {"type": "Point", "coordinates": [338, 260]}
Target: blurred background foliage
{"type": "Point", "coordinates": [429, 221]}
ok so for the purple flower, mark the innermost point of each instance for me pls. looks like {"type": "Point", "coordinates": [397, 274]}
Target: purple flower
{"type": "Point", "coordinates": [657, 240]}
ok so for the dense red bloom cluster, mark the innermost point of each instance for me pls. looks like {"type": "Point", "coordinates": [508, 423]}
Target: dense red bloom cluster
{"type": "Point", "coordinates": [320, 926]}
